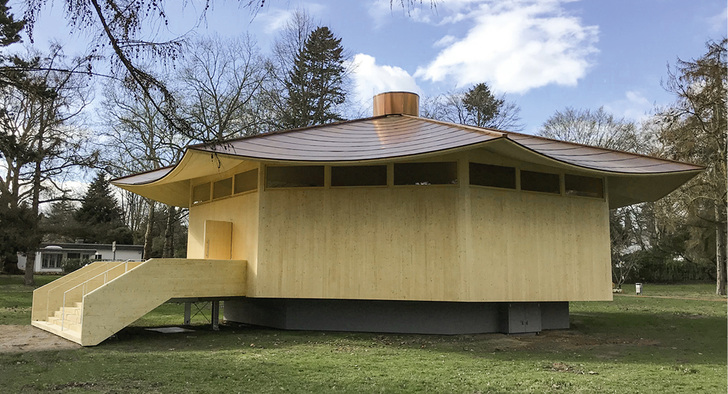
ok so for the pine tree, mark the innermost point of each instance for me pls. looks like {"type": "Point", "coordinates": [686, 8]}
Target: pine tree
{"type": "Point", "coordinates": [694, 130]}
{"type": "Point", "coordinates": [315, 85]}
{"type": "Point", "coordinates": [15, 233]}
{"type": "Point", "coordinates": [59, 224]}
{"type": "Point", "coordinates": [477, 106]}
{"type": "Point", "coordinates": [11, 67]}
{"type": "Point", "coordinates": [100, 215]}
{"type": "Point", "coordinates": [481, 106]}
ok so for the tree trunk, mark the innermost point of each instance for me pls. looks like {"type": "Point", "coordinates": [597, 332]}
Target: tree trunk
{"type": "Point", "coordinates": [720, 257]}
{"type": "Point", "coordinates": [148, 233]}
{"type": "Point", "coordinates": [35, 208]}
{"type": "Point", "coordinates": [168, 250]}
{"type": "Point", "coordinates": [29, 269]}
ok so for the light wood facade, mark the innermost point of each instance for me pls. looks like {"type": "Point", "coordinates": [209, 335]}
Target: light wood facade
{"type": "Point", "coordinates": [454, 242]}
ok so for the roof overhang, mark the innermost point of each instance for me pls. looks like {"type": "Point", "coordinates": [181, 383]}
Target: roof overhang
{"type": "Point", "coordinates": [631, 178]}
{"type": "Point", "coordinates": [171, 185]}
{"type": "Point", "coordinates": [623, 188]}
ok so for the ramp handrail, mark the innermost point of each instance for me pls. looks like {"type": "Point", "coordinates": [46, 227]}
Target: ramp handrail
{"type": "Point", "coordinates": [83, 292]}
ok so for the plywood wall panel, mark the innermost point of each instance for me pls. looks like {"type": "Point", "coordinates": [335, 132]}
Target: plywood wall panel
{"type": "Point", "coordinates": [445, 243]}
{"type": "Point", "coordinates": [351, 241]}
{"type": "Point", "coordinates": [448, 243]}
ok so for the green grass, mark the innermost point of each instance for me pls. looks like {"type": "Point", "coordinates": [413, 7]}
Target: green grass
{"type": "Point", "coordinates": [687, 290]}
{"type": "Point", "coordinates": [630, 345]}
{"type": "Point", "coordinates": [16, 298]}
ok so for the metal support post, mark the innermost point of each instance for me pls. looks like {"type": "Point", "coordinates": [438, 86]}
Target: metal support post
{"type": "Point", "coordinates": [215, 318]}
{"type": "Point", "coordinates": [188, 313]}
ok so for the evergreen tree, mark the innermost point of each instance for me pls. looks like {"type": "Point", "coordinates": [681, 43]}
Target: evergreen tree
{"type": "Point", "coordinates": [15, 233]}
{"type": "Point", "coordinates": [100, 215]}
{"type": "Point", "coordinates": [59, 224]}
{"type": "Point", "coordinates": [477, 106]}
{"type": "Point", "coordinates": [11, 67]}
{"type": "Point", "coordinates": [694, 129]}
{"type": "Point", "coordinates": [315, 85]}
{"type": "Point", "coordinates": [481, 106]}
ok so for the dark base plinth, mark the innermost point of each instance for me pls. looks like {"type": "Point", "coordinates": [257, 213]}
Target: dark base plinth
{"type": "Point", "coordinates": [413, 317]}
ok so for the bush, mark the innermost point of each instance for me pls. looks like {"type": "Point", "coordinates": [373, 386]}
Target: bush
{"type": "Point", "coordinates": [656, 266]}
{"type": "Point", "coordinates": [9, 264]}
{"type": "Point", "coordinates": [70, 265]}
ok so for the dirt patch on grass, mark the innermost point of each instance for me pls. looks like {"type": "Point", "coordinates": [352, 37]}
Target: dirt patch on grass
{"type": "Point", "coordinates": [17, 338]}
{"type": "Point", "coordinates": [572, 340]}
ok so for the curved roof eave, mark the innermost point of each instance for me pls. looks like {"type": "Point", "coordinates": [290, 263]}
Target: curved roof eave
{"type": "Point", "coordinates": [623, 188]}
{"type": "Point", "coordinates": [171, 185]}
{"type": "Point", "coordinates": [401, 137]}
{"type": "Point", "coordinates": [649, 166]}
{"type": "Point", "coordinates": [612, 161]}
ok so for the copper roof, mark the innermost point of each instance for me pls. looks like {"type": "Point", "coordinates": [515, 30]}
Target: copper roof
{"type": "Point", "coordinates": [144, 177]}
{"type": "Point", "coordinates": [377, 138]}
{"type": "Point", "coordinates": [599, 158]}
{"type": "Point", "coordinates": [397, 136]}
{"type": "Point", "coordinates": [393, 137]}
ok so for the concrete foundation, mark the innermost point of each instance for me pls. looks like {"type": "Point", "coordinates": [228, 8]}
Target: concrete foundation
{"type": "Point", "coordinates": [413, 317]}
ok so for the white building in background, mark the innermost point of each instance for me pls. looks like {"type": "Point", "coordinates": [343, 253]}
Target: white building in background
{"type": "Point", "coordinates": [51, 256]}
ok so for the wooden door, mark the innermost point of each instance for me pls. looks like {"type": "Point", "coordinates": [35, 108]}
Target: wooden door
{"type": "Point", "coordinates": [218, 240]}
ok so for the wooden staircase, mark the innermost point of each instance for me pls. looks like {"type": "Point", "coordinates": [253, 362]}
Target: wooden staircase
{"type": "Point", "coordinates": [65, 322]}
{"type": "Point", "coordinates": [91, 304]}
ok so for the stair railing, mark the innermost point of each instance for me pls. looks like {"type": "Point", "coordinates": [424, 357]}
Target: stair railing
{"type": "Point", "coordinates": [83, 292]}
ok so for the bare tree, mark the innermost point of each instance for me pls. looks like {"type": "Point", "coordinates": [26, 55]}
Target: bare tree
{"type": "Point", "coordinates": [138, 139]}
{"type": "Point", "coordinates": [596, 128]}
{"type": "Point", "coordinates": [291, 41]}
{"type": "Point", "coordinates": [476, 106]}
{"type": "Point", "coordinates": [119, 27]}
{"type": "Point", "coordinates": [40, 141]}
{"type": "Point", "coordinates": [220, 84]}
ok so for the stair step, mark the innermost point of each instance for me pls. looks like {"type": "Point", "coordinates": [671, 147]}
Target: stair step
{"type": "Point", "coordinates": [74, 318]}
{"type": "Point", "coordinates": [67, 325]}
{"type": "Point", "coordinates": [69, 310]}
{"type": "Point", "coordinates": [68, 333]}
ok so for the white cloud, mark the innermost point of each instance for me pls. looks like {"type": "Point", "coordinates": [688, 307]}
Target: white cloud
{"type": "Point", "coordinates": [437, 13]}
{"type": "Point", "coordinates": [634, 106]}
{"type": "Point", "coordinates": [370, 79]}
{"type": "Point", "coordinates": [445, 41]}
{"type": "Point", "coordinates": [275, 19]}
{"type": "Point", "coordinates": [514, 46]}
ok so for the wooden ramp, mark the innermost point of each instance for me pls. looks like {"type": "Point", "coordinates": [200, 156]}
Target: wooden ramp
{"type": "Point", "coordinates": [98, 300]}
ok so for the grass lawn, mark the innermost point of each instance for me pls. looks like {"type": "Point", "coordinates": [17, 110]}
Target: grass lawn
{"type": "Point", "coordinates": [631, 345]}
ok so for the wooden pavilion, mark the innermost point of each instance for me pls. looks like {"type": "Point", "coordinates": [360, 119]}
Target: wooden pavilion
{"type": "Point", "coordinates": [393, 223]}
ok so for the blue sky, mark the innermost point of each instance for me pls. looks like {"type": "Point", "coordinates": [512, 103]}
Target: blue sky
{"type": "Point", "coordinates": [545, 55]}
